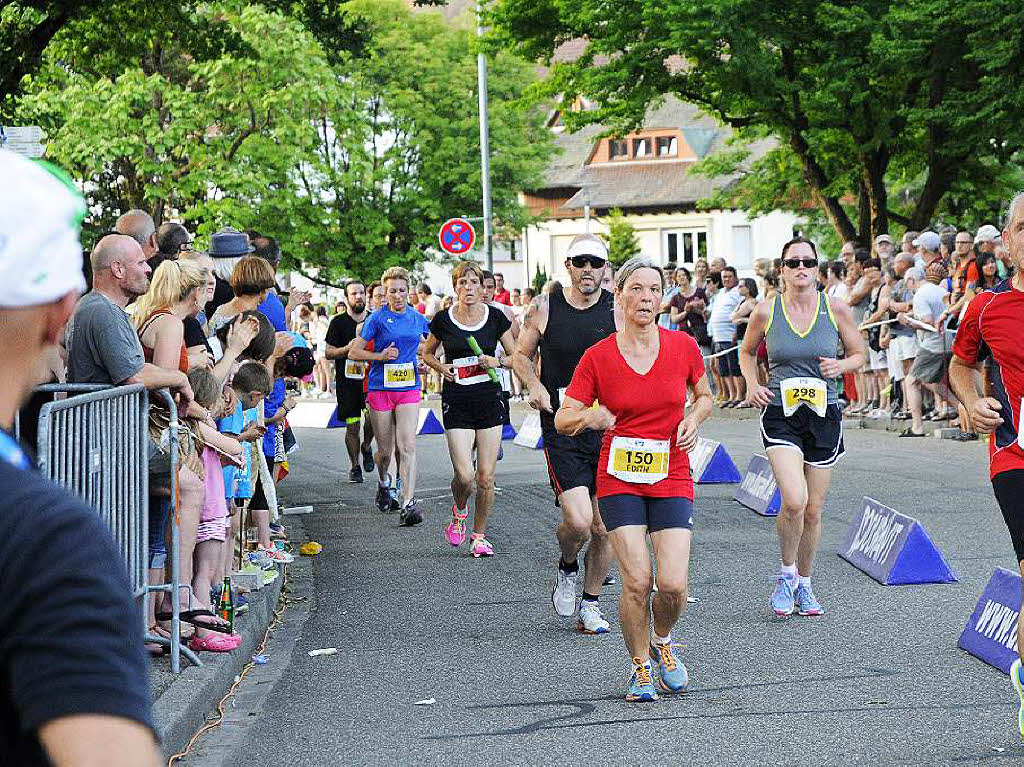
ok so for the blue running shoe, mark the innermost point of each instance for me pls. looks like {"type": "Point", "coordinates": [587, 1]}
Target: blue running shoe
{"type": "Point", "coordinates": [641, 683]}
{"type": "Point", "coordinates": [672, 676]}
{"type": "Point", "coordinates": [1019, 687]}
{"type": "Point", "coordinates": [782, 599]}
{"type": "Point", "coordinates": [395, 496]}
{"type": "Point", "coordinates": [806, 604]}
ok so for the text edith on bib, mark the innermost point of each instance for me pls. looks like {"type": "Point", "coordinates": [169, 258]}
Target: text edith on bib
{"type": "Point", "coordinates": [638, 461]}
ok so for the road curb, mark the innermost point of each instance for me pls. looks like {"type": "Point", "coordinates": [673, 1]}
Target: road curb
{"type": "Point", "coordinates": [184, 705]}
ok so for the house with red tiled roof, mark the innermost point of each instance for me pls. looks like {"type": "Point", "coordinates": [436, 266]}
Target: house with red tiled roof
{"type": "Point", "coordinates": [646, 174]}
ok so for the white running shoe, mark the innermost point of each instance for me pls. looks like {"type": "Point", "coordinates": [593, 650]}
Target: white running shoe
{"type": "Point", "coordinates": [1019, 687]}
{"type": "Point", "coordinates": [591, 621]}
{"type": "Point", "coordinates": [563, 592]}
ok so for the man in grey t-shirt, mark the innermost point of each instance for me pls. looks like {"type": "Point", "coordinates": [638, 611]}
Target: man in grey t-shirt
{"type": "Point", "coordinates": [932, 359]}
{"type": "Point", "coordinates": [102, 345]}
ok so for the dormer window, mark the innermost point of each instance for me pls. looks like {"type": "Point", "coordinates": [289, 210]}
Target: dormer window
{"type": "Point", "coordinates": [668, 146]}
{"type": "Point", "coordinates": [618, 150]}
{"type": "Point", "coordinates": [641, 148]}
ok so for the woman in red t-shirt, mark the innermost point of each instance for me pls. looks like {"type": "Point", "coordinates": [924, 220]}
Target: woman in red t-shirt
{"type": "Point", "coordinates": [639, 378]}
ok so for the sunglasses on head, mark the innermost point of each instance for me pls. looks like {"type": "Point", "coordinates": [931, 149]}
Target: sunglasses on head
{"type": "Point", "coordinates": [796, 263]}
{"type": "Point", "coordinates": [580, 261]}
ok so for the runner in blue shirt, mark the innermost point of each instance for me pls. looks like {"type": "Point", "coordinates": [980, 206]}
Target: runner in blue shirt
{"type": "Point", "coordinates": [393, 395]}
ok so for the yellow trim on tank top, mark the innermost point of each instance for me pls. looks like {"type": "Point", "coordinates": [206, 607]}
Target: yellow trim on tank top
{"type": "Point", "coordinates": [828, 305]}
{"type": "Point", "coordinates": [771, 314]}
{"type": "Point", "coordinates": [814, 321]}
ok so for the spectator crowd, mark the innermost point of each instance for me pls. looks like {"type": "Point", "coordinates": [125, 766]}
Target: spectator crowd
{"type": "Point", "coordinates": [907, 302]}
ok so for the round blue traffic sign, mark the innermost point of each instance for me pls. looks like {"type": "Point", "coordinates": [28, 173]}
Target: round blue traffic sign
{"type": "Point", "coordinates": [456, 236]}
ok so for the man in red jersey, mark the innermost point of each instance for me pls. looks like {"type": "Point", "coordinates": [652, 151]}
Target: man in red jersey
{"type": "Point", "coordinates": [992, 326]}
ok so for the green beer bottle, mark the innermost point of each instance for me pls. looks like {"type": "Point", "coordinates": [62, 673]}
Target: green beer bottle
{"type": "Point", "coordinates": [226, 603]}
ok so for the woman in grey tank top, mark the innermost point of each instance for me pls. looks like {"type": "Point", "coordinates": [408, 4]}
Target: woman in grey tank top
{"type": "Point", "coordinates": [801, 425]}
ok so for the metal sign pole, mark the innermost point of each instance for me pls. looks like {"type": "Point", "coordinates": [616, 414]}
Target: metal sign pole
{"type": "Point", "coordinates": [485, 151]}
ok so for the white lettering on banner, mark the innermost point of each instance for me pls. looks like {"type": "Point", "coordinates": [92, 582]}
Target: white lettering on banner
{"type": "Point", "coordinates": [759, 486]}
{"type": "Point", "coordinates": [998, 623]}
{"type": "Point", "coordinates": [876, 535]}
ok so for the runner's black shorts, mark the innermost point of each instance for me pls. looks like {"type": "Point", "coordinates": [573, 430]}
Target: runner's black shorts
{"type": "Point", "coordinates": [1009, 490]}
{"type": "Point", "coordinates": [351, 401]}
{"type": "Point", "coordinates": [820, 440]}
{"type": "Point", "coordinates": [472, 414]}
{"type": "Point", "coordinates": [653, 513]}
{"type": "Point", "coordinates": [572, 461]}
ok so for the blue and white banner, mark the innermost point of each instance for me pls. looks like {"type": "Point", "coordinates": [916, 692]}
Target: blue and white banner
{"type": "Point", "coordinates": [991, 631]}
{"type": "Point", "coordinates": [893, 548]}
{"type": "Point", "coordinates": [758, 490]}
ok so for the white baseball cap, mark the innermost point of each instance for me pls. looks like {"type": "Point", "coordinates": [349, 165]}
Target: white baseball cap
{"type": "Point", "coordinates": [40, 221]}
{"type": "Point", "coordinates": [591, 246]}
{"type": "Point", "coordinates": [987, 233]}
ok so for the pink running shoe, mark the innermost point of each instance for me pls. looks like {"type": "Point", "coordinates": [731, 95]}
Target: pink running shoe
{"type": "Point", "coordinates": [456, 530]}
{"type": "Point", "coordinates": [480, 546]}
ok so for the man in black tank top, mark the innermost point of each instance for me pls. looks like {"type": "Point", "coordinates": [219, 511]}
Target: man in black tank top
{"type": "Point", "coordinates": [561, 327]}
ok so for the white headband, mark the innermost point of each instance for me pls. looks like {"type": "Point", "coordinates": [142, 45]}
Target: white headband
{"type": "Point", "coordinates": [588, 247]}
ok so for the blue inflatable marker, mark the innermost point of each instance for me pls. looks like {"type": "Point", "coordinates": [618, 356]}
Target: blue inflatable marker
{"type": "Point", "coordinates": [508, 431]}
{"type": "Point", "coordinates": [758, 490]}
{"type": "Point", "coordinates": [893, 548]}
{"type": "Point", "coordinates": [530, 433]}
{"type": "Point", "coordinates": [991, 631]}
{"type": "Point", "coordinates": [334, 422]}
{"type": "Point", "coordinates": [429, 423]}
{"type": "Point", "coordinates": [711, 464]}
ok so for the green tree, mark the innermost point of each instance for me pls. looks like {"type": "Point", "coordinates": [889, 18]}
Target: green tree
{"type": "Point", "coordinates": [859, 96]}
{"type": "Point", "coordinates": [177, 133]}
{"type": "Point", "coordinates": [397, 152]}
{"type": "Point", "coordinates": [622, 241]}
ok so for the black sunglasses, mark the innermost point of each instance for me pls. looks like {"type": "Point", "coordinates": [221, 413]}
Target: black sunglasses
{"type": "Point", "coordinates": [796, 263]}
{"type": "Point", "coordinates": [580, 261]}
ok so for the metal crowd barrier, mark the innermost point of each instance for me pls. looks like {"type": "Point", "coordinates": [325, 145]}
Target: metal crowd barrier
{"type": "Point", "coordinates": [96, 444]}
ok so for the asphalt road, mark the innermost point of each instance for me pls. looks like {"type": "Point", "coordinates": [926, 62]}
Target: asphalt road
{"type": "Point", "coordinates": [877, 679]}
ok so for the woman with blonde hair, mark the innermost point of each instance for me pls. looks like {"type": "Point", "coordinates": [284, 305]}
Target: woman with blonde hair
{"type": "Point", "coordinates": [175, 293]}
{"type": "Point", "coordinates": [393, 394]}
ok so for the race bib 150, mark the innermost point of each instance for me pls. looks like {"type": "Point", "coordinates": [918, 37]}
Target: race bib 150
{"type": "Point", "coordinates": [639, 461]}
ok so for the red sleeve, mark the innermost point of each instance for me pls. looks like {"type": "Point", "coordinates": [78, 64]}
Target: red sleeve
{"type": "Point", "coordinates": [695, 361]}
{"type": "Point", "coordinates": [583, 386]}
{"type": "Point", "coordinates": [968, 334]}
{"type": "Point", "coordinates": [972, 272]}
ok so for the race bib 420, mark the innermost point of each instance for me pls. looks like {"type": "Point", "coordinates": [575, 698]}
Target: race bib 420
{"type": "Point", "coordinates": [812, 392]}
{"type": "Point", "coordinates": [399, 375]}
{"type": "Point", "coordinates": [639, 461]}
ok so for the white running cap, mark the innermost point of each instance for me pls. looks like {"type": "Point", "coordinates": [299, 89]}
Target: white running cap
{"type": "Point", "coordinates": [40, 220]}
{"type": "Point", "coordinates": [588, 247]}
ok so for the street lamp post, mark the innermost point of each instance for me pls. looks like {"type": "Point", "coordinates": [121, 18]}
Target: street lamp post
{"type": "Point", "coordinates": [485, 151]}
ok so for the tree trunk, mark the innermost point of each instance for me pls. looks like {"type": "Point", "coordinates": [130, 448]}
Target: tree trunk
{"type": "Point", "coordinates": [875, 165]}
{"type": "Point", "coordinates": [863, 216]}
{"type": "Point", "coordinates": [816, 179]}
